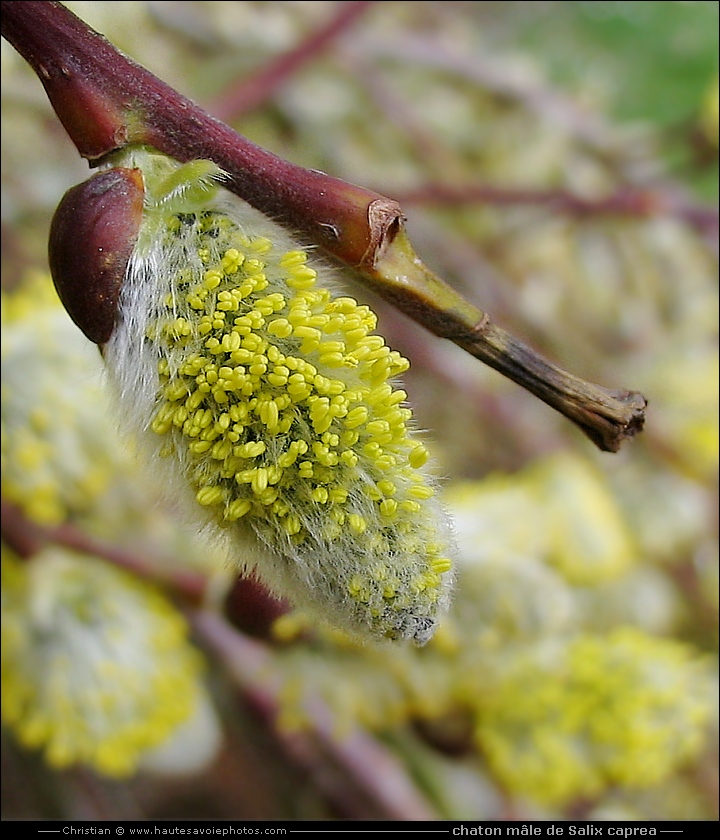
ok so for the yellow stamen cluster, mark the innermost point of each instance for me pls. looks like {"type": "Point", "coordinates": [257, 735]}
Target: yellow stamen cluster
{"type": "Point", "coordinates": [619, 709]}
{"type": "Point", "coordinates": [96, 667]}
{"type": "Point", "coordinates": [275, 397]}
{"type": "Point", "coordinates": [61, 456]}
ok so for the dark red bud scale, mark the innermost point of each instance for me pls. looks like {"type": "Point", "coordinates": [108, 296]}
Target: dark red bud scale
{"type": "Point", "coordinates": [92, 236]}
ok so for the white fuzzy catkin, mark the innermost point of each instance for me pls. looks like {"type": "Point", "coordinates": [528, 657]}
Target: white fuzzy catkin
{"type": "Point", "coordinates": [267, 397]}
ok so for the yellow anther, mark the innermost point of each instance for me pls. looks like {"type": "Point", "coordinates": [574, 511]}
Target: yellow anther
{"type": "Point", "coordinates": [410, 506]}
{"type": "Point", "coordinates": [418, 456]}
{"type": "Point", "coordinates": [292, 525]}
{"type": "Point", "coordinates": [269, 414]}
{"type": "Point", "coordinates": [260, 245]}
{"type": "Point", "coordinates": [209, 495]}
{"type": "Point", "coordinates": [241, 356]}
{"type": "Point", "coordinates": [387, 487]}
{"type": "Point", "coordinates": [221, 450]}
{"type": "Point", "coordinates": [213, 278]}
{"type": "Point", "coordinates": [440, 565]}
{"type": "Point", "coordinates": [355, 336]}
{"type": "Point", "coordinates": [237, 509]}
{"type": "Point", "coordinates": [386, 462]}
{"type": "Point", "coordinates": [357, 523]}
{"type": "Point", "coordinates": [176, 392]}
{"type": "Point", "coordinates": [310, 334]}
{"type": "Point", "coordinates": [356, 417]}
{"type": "Point", "coordinates": [161, 426]}
{"type": "Point", "coordinates": [291, 259]}
{"type": "Point", "coordinates": [232, 260]}
{"type": "Point", "coordinates": [253, 266]}
{"type": "Point", "coordinates": [302, 277]}
{"type": "Point", "coordinates": [377, 427]}
{"type": "Point", "coordinates": [372, 449]}
{"type": "Point", "coordinates": [253, 449]}
{"type": "Point", "coordinates": [280, 327]}
{"type": "Point", "coordinates": [260, 480]}
{"type": "Point", "coordinates": [388, 507]}
{"type": "Point", "coordinates": [320, 495]}
{"type": "Point", "coordinates": [349, 458]}
{"type": "Point", "coordinates": [258, 368]}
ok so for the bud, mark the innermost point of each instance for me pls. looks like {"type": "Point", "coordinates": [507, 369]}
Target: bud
{"type": "Point", "coordinates": [266, 396]}
{"type": "Point", "coordinates": [92, 236]}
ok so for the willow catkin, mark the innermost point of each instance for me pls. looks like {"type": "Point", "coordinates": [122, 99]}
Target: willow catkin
{"type": "Point", "coordinates": [268, 398]}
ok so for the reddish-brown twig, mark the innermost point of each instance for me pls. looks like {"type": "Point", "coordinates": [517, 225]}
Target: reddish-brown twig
{"type": "Point", "coordinates": [106, 102]}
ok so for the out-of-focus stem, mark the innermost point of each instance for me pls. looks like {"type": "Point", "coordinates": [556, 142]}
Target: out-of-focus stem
{"type": "Point", "coordinates": [372, 768]}
{"type": "Point", "coordinates": [629, 202]}
{"type": "Point", "coordinates": [250, 93]}
{"type": "Point", "coordinates": [27, 538]}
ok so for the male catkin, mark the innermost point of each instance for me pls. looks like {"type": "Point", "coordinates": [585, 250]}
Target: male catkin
{"type": "Point", "coordinates": [269, 397]}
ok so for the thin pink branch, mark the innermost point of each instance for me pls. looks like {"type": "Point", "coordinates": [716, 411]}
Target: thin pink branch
{"type": "Point", "coordinates": [27, 538]}
{"type": "Point", "coordinates": [254, 91]}
{"type": "Point", "coordinates": [374, 770]}
{"type": "Point", "coordinates": [626, 202]}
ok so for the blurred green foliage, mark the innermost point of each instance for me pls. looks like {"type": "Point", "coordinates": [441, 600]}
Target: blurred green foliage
{"type": "Point", "coordinates": [652, 62]}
